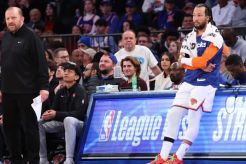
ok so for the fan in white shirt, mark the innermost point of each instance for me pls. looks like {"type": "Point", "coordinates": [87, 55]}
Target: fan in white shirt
{"type": "Point", "coordinates": [142, 53]}
{"type": "Point", "coordinates": [223, 13]}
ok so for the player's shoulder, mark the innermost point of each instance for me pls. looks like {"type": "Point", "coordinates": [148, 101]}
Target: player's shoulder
{"type": "Point", "coordinates": [189, 35]}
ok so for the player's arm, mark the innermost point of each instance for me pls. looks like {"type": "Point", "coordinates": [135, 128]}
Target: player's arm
{"type": "Point", "coordinates": [202, 61]}
{"type": "Point", "coordinates": [182, 55]}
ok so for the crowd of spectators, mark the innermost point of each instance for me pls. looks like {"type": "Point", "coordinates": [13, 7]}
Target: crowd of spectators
{"type": "Point", "coordinates": [100, 19]}
{"type": "Point", "coordinates": [60, 17]}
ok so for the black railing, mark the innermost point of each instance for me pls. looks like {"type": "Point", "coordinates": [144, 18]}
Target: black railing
{"type": "Point", "coordinates": [99, 41]}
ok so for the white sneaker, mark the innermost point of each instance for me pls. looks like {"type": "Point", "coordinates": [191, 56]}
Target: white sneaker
{"type": "Point", "coordinates": [43, 161]}
{"type": "Point", "coordinates": [69, 161]}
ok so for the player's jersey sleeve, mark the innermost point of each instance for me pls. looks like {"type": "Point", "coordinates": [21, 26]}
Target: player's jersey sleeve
{"type": "Point", "coordinates": [201, 61]}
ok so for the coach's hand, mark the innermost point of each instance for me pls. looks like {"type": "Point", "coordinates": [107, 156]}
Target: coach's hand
{"type": "Point", "coordinates": [44, 95]}
{"type": "Point", "coordinates": [1, 96]}
{"type": "Point", "coordinates": [1, 119]}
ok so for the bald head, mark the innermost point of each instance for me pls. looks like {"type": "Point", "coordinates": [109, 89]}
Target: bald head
{"type": "Point", "coordinates": [176, 73]}
{"type": "Point", "coordinates": [16, 9]}
{"type": "Point", "coordinates": [35, 15]}
{"type": "Point", "coordinates": [14, 19]}
{"type": "Point", "coordinates": [129, 40]}
{"type": "Point", "coordinates": [229, 31]}
{"type": "Point", "coordinates": [229, 36]}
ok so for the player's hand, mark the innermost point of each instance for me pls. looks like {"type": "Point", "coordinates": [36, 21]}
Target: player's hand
{"type": "Point", "coordinates": [209, 68]}
{"type": "Point", "coordinates": [181, 55]}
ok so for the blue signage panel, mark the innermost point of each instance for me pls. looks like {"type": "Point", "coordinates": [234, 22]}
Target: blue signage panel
{"type": "Point", "coordinates": [134, 125]}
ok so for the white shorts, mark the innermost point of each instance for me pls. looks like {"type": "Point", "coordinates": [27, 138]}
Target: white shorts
{"type": "Point", "coordinates": [192, 97]}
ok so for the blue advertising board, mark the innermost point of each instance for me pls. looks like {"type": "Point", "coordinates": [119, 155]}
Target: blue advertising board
{"type": "Point", "coordinates": [126, 125]}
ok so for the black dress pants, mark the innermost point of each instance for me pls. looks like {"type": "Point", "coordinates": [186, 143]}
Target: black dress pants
{"type": "Point", "coordinates": [21, 128]}
{"type": "Point", "coordinates": [2, 144]}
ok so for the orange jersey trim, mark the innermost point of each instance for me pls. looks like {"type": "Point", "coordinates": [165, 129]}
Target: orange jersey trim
{"type": "Point", "coordinates": [188, 108]}
{"type": "Point", "coordinates": [182, 106]}
{"type": "Point", "coordinates": [226, 50]}
{"type": "Point", "coordinates": [209, 53]}
{"type": "Point", "coordinates": [201, 62]}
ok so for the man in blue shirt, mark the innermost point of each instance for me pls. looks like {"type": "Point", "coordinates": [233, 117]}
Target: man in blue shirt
{"type": "Point", "coordinates": [111, 17]}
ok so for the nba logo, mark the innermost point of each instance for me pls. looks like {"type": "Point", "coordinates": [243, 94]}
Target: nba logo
{"type": "Point", "coordinates": [107, 125]}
